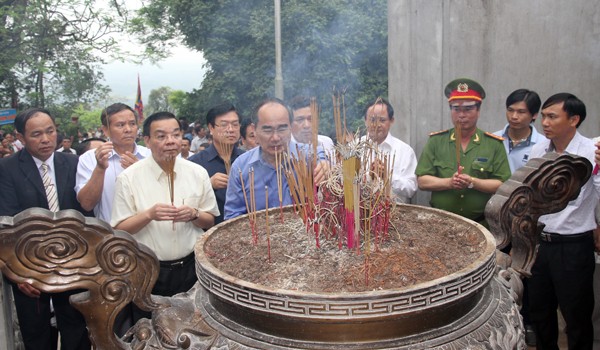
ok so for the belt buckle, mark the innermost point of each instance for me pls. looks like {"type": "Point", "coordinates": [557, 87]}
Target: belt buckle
{"type": "Point", "coordinates": [546, 237]}
{"type": "Point", "coordinates": [175, 264]}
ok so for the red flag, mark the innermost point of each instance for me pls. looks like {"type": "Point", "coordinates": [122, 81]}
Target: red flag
{"type": "Point", "coordinates": [139, 105]}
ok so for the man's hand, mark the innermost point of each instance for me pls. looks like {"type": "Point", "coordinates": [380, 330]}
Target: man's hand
{"type": "Point", "coordinates": [127, 159]}
{"type": "Point", "coordinates": [321, 171]}
{"type": "Point", "coordinates": [597, 236]}
{"type": "Point", "coordinates": [460, 181]}
{"type": "Point", "coordinates": [185, 213]}
{"type": "Point", "coordinates": [162, 212]}
{"type": "Point", "coordinates": [29, 290]}
{"type": "Point", "coordinates": [103, 153]}
{"type": "Point", "coordinates": [219, 180]}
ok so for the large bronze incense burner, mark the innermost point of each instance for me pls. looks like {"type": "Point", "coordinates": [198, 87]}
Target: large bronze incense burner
{"type": "Point", "coordinates": [425, 313]}
{"type": "Point", "coordinates": [474, 307]}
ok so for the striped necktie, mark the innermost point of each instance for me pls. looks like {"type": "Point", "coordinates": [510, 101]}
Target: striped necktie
{"type": "Point", "coordinates": [50, 189]}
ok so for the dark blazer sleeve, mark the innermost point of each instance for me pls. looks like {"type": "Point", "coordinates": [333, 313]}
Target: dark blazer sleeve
{"type": "Point", "coordinates": [9, 203]}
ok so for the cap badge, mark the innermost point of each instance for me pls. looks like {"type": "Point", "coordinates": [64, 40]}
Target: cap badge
{"type": "Point", "coordinates": [462, 87]}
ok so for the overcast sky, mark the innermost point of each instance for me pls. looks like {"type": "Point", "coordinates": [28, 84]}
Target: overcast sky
{"type": "Point", "coordinates": [182, 71]}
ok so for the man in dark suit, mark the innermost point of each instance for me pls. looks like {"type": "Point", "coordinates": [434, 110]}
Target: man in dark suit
{"type": "Point", "coordinates": [37, 176]}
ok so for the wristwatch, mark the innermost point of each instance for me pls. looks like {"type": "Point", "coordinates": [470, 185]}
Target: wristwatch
{"type": "Point", "coordinates": [196, 214]}
{"type": "Point", "coordinates": [471, 185]}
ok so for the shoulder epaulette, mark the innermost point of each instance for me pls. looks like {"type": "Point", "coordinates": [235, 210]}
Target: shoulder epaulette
{"type": "Point", "coordinates": [494, 136]}
{"type": "Point", "coordinates": [439, 132]}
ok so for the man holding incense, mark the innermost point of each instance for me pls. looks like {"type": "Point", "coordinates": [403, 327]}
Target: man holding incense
{"type": "Point", "coordinates": [379, 118]}
{"type": "Point", "coordinates": [224, 126]}
{"type": "Point", "coordinates": [263, 164]}
{"type": "Point", "coordinates": [463, 166]}
{"type": "Point", "coordinates": [166, 203]}
{"type": "Point", "coordinates": [98, 168]}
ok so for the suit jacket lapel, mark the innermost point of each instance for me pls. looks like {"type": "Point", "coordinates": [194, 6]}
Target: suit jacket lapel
{"type": "Point", "coordinates": [62, 180]}
{"type": "Point", "coordinates": [30, 172]}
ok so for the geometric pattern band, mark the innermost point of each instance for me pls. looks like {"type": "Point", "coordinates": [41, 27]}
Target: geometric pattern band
{"type": "Point", "coordinates": [387, 302]}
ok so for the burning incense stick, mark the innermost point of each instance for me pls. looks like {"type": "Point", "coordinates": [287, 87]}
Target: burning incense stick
{"type": "Point", "coordinates": [279, 170]}
{"type": "Point", "coordinates": [267, 221]}
{"type": "Point", "coordinates": [458, 144]}
{"type": "Point", "coordinates": [227, 152]}
{"type": "Point", "coordinates": [170, 170]}
{"type": "Point", "coordinates": [314, 115]}
{"type": "Point", "coordinates": [252, 213]}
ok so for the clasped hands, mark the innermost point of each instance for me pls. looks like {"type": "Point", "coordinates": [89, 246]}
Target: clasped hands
{"type": "Point", "coordinates": [460, 181]}
{"type": "Point", "coordinates": [168, 212]}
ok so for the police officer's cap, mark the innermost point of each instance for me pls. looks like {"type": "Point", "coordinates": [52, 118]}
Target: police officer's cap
{"type": "Point", "coordinates": [464, 89]}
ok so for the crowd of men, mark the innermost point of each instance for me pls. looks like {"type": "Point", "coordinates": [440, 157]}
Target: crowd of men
{"type": "Point", "coordinates": [462, 167]}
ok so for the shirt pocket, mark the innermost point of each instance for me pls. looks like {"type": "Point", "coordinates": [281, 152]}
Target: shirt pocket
{"type": "Point", "coordinates": [193, 201]}
{"type": "Point", "coordinates": [482, 168]}
{"type": "Point", "coordinates": [444, 168]}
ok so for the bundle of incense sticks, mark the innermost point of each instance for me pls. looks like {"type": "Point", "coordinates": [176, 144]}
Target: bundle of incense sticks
{"type": "Point", "coordinates": [170, 170]}
{"type": "Point", "coordinates": [350, 168]}
{"type": "Point", "coordinates": [227, 150]}
{"type": "Point", "coordinates": [339, 112]}
{"type": "Point", "coordinates": [300, 178]}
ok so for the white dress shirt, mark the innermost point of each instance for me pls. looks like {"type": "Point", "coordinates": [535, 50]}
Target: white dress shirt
{"type": "Point", "coordinates": [404, 180]}
{"type": "Point", "coordinates": [145, 184]}
{"type": "Point", "coordinates": [85, 168]}
{"type": "Point", "coordinates": [578, 216]}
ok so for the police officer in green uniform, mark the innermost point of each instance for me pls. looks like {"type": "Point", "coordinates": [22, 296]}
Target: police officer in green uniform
{"type": "Point", "coordinates": [463, 177]}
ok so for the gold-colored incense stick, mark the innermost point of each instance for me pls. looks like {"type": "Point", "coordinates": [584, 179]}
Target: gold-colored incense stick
{"type": "Point", "coordinates": [244, 191]}
{"type": "Point", "coordinates": [458, 144]}
{"type": "Point", "coordinates": [314, 115]}
{"type": "Point", "coordinates": [227, 150]}
{"type": "Point", "coordinates": [170, 170]}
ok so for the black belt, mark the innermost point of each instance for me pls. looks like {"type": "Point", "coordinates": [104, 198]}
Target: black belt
{"type": "Point", "coordinates": [179, 263]}
{"type": "Point", "coordinates": [550, 237]}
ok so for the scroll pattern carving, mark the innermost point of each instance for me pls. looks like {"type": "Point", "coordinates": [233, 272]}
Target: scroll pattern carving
{"type": "Point", "coordinates": [543, 186]}
{"type": "Point", "coordinates": [62, 251]}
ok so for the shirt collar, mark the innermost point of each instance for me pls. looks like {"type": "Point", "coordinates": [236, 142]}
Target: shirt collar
{"type": "Point", "coordinates": [572, 147]}
{"type": "Point", "coordinates": [476, 137]}
{"type": "Point", "coordinates": [49, 162]}
{"type": "Point", "coordinates": [157, 172]}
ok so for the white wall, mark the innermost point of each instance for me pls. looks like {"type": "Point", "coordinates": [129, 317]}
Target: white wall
{"type": "Point", "coordinates": [549, 46]}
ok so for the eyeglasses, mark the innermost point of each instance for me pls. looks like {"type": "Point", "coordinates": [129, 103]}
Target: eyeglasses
{"type": "Point", "coordinates": [225, 125]}
{"type": "Point", "coordinates": [381, 120]}
{"type": "Point", "coordinates": [269, 131]}
{"type": "Point", "coordinates": [464, 109]}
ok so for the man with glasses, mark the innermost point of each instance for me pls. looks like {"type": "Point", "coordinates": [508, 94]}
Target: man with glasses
{"type": "Point", "coordinates": [463, 166]}
{"type": "Point", "coordinates": [224, 125]}
{"type": "Point", "coordinates": [272, 119]}
{"type": "Point", "coordinates": [302, 125]}
{"type": "Point", "coordinates": [166, 203]}
{"type": "Point", "coordinates": [379, 118]}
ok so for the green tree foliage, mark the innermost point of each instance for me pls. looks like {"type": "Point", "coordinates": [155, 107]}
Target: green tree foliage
{"type": "Point", "coordinates": [49, 50]}
{"type": "Point", "coordinates": [324, 44]}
